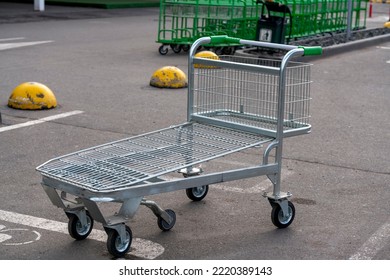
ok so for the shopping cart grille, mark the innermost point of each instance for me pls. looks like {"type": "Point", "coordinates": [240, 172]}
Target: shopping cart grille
{"type": "Point", "coordinates": [133, 160]}
{"type": "Point", "coordinates": [250, 98]}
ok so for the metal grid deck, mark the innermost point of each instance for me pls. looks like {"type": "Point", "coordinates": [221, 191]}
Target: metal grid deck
{"type": "Point", "coordinates": [137, 159]}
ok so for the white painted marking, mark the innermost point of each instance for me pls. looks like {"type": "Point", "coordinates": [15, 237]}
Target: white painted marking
{"type": "Point", "coordinates": [141, 248]}
{"type": "Point", "coordinates": [258, 188]}
{"type": "Point", "coordinates": [6, 46]}
{"type": "Point", "coordinates": [38, 236]}
{"type": "Point", "coordinates": [47, 119]}
{"type": "Point", "coordinates": [262, 186]}
{"type": "Point", "coordinates": [384, 48]}
{"type": "Point", "coordinates": [374, 244]}
{"type": "Point", "coordinates": [4, 237]}
{"type": "Point", "coordinates": [11, 39]}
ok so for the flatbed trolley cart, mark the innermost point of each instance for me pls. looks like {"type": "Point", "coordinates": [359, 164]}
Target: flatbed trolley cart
{"type": "Point", "coordinates": [234, 103]}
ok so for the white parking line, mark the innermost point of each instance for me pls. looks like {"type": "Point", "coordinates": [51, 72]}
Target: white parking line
{"type": "Point", "coordinates": [6, 46]}
{"type": "Point", "coordinates": [140, 248]}
{"type": "Point", "coordinates": [11, 39]}
{"type": "Point", "coordinates": [260, 187]}
{"type": "Point", "coordinates": [384, 48]}
{"type": "Point", "coordinates": [47, 119]}
{"type": "Point", "coordinates": [374, 244]}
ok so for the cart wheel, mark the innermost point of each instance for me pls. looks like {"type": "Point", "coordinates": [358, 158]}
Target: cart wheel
{"type": "Point", "coordinates": [228, 50]}
{"type": "Point", "coordinates": [163, 225]}
{"type": "Point", "coordinates": [197, 193]}
{"type": "Point", "coordinates": [115, 245]}
{"type": "Point", "coordinates": [218, 50]}
{"type": "Point", "coordinates": [186, 48]}
{"type": "Point", "coordinates": [163, 50]}
{"type": "Point", "coordinates": [277, 215]}
{"type": "Point", "coordinates": [76, 230]}
{"type": "Point", "coordinates": [176, 48]}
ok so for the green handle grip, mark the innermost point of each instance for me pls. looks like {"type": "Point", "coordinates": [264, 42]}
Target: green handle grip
{"type": "Point", "coordinates": [224, 39]}
{"type": "Point", "coordinates": [311, 50]}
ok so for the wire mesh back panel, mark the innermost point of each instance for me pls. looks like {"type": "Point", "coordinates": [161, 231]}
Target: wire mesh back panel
{"type": "Point", "coordinates": [250, 98]}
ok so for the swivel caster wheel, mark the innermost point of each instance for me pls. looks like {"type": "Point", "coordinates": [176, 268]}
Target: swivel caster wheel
{"type": "Point", "coordinates": [197, 193]}
{"type": "Point", "coordinates": [163, 50]}
{"type": "Point", "coordinates": [176, 48]}
{"type": "Point", "coordinates": [165, 226]}
{"type": "Point", "coordinates": [76, 229]}
{"type": "Point", "coordinates": [279, 219]}
{"type": "Point", "coordinates": [117, 246]}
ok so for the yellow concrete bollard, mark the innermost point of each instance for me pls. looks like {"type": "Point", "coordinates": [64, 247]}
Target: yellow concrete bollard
{"type": "Point", "coordinates": [32, 96]}
{"type": "Point", "coordinates": [169, 77]}
{"type": "Point", "coordinates": [208, 55]}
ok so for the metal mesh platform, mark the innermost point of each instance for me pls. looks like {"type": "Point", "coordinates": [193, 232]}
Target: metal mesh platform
{"type": "Point", "coordinates": [137, 159]}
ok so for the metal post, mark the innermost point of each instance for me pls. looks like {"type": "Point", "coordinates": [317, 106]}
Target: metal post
{"type": "Point", "coordinates": [370, 10]}
{"type": "Point", "coordinates": [39, 5]}
{"type": "Point", "coordinates": [349, 19]}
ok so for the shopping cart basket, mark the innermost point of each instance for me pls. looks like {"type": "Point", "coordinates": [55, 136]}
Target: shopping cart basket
{"type": "Point", "coordinates": [234, 103]}
{"type": "Point", "coordinates": [181, 22]}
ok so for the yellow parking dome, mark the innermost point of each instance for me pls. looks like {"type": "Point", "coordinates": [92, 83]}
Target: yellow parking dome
{"type": "Point", "coordinates": [387, 24]}
{"type": "Point", "coordinates": [32, 96]}
{"type": "Point", "coordinates": [208, 55]}
{"type": "Point", "coordinates": [169, 77]}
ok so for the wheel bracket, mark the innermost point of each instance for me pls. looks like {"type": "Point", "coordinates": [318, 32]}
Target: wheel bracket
{"type": "Point", "coordinates": [81, 214]}
{"type": "Point", "coordinates": [157, 210]}
{"type": "Point", "coordinates": [281, 199]}
{"type": "Point", "coordinates": [120, 229]}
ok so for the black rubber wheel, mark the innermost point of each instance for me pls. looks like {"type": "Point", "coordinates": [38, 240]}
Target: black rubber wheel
{"type": "Point", "coordinates": [197, 193]}
{"type": "Point", "coordinates": [163, 225]}
{"type": "Point", "coordinates": [176, 48]}
{"type": "Point", "coordinates": [163, 50]}
{"type": "Point", "coordinates": [76, 230]}
{"type": "Point", "coordinates": [218, 50]}
{"type": "Point", "coordinates": [277, 215]}
{"type": "Point", "coordinates": [228, 50]}
{"type": "Point", "coordinates": [186, 48]}
{"type": "Point", "coordinates": [115, 245]}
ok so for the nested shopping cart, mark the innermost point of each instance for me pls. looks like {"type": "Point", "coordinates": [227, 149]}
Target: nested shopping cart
{"type": "Point", "coordinates": [181, 22]}
{"type": "Point", "coordinates": [234, 103]}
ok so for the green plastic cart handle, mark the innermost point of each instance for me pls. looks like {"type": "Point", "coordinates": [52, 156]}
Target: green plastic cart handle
{"type": "Point", "coordinates": [311, 50]}
{"type": "Point", "coordinates": [224, 39]}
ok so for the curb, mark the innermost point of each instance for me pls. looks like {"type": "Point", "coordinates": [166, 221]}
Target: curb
{"type": "Point", "coordinates": [353, 46]}
{"type": "Point", "coordinates": [337, 49]}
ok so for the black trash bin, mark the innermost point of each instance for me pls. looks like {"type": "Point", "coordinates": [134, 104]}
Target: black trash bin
{"type": "Point", "coordinates": [271, 27]}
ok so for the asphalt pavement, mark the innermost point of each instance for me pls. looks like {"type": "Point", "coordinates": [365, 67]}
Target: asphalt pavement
{"type": "Point", "coordinates": [98, 62]}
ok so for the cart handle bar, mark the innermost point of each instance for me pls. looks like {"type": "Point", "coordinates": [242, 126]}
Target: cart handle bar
{"type": "Point", "coordinates": [223, 39]}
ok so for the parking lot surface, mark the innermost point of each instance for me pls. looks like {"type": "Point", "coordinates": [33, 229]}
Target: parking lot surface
{"type": "Point", "coordinates": [99, 69]}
